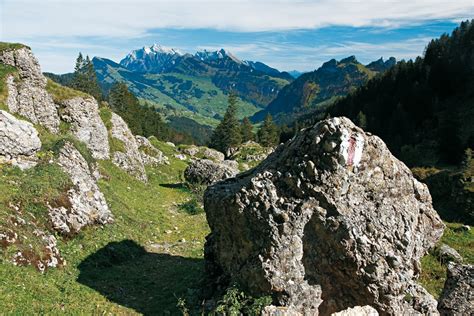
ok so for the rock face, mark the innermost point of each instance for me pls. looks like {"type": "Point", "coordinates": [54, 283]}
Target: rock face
{"type": "Point", "coordinates": [329, 221]}
{"type": "Point", "coordinates": [85, 204]}
{"type": "Point", "coordinates": [206, 172]}
{"type": "Point", "coordinates": [86, 125]}
{"type": "Point", "coordinates": [19, 141]}
{"type": "Point", "coordinates": [149, 153]}
{"type": "Point", "coordinates": [28, 96]}
{"type": "Point", "coordinates": [457, 297]}
{"type": "Point", "coordinates": [130, 160]}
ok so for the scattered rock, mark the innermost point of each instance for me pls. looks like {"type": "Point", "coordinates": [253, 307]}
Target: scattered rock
{"type": "Point", "coordinates": [191, 150]}
{"type": "Point", "coordinates": [206, 172]}
{"type": "Point", "coordinates": [150, 154]}
{"type": "Point", "coordinates": [85, 204]}
{"type": "Point", "coordinates": [19, 141]}
{"type": "Point", "coordinates": [86, 125]}
{"type": "Point", "coordinates": [27, 96]}
{"type": "Point", "coordinates": [331, 220]}
{"type": "Point", "coordinates": [457, 297]}
{"type": "Point", "coordinates": [212, 154]}
{"type": "Point", "coordinates": [180, 156]}
{"type": "Point", "coordinates": [358, 311]}
{"type": "Point", "coordinates": [447, 254]}
{"type": "Point", "coordinates": [130, 160]}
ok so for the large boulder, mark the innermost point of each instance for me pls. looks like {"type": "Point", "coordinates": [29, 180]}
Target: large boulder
{"type": "Point", "coordinates": [206, 172]}
{"type": "Point", "coordinates": [130, 160]}
{"type": "Point", "coordinates": [457, 297]}
{"type": "Point", "coordinates": [27, 96]}
{"type": "Point", "coordinates": [19, 141]}
{"type": "Point", "coordinates": [86, 124]}
{"type": "Point", "coordinates": [331, 220]}
{"type": "Point", "coordinates": [85, 204]}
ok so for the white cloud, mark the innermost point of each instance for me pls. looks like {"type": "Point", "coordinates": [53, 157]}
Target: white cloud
{"type": "Point", "coordinates": [31, 18]}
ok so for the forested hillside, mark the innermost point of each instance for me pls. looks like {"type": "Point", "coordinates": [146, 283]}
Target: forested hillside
{"type": "Point", "coordinates": [423, 109]}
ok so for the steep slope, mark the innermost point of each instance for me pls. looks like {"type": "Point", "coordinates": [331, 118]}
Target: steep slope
{"type": "Point", "coordinates": [313, 89]}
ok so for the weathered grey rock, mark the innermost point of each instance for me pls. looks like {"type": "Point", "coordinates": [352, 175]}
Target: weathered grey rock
{"type": "Point", "coordinates": [27, 96]}
{"type": "Point", "coordinates": [180, 156]}
{"type": "Point", "coordinates": [149, 153]}
{"type": "Point", "coordinates": [86, 125]}
{"type": "Point", "coordinates": [19, 141]}
{"type": "Point", "coordinates": [131, 159]}
{"type": "Point", "coordinates": [213, 154]}
{"type": "Point", "coordinates": [85, 204]}
{"type": "Point", "coordinates": [232, 164]}
{"type": "Point", "coordinates": [206, 172]}
{"type": "Point", "coordinates": [447, 254]}
{"type": "Point", "coordinates": [279, 311]}
{"type": "Point", "coordinates": [329, 221]}
{"type": "Point", "coordinates": [358, 311]}
{"type": "Point", "coordinates": [457, 297]}
{"type": "Point", "coordinates": [191, 150]}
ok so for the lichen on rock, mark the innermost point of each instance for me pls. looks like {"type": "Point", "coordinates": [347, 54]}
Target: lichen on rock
{"type": "Point", "coordinates": [19, 141]}
{"type": "Point", "coordinates": [130, 160]}
{"type": "Point", "coordinates": [330, 220]}
{"type": "Point", "coordinates": [86, 124]}
{"type": "Point", "coordinates": [86, 205]}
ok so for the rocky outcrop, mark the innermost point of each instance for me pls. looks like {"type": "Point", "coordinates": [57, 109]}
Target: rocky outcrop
{"type": "Point", "coordinates": [85, 204]}
{"type": "Point", "coordinates": [19, 141]}
{"type": "Point", "coordinates": [27, 96]}
{"type": "Point", "coordinates": [448, 254]}
{"type": "Point", "coordinates": [150, 154]}
{"type": "Point", "coordinates": [358, 311]}
{"type": "Point", "coordinates": [130, 160]}
{"type": "Point", "coordinates": [86, 125]}
{"type": "Point", "coordinates": [204, 153]}
{"type": "Point", "coordinates": [206, 172]}
{"type": "Point", "coordinates": [457, 297]}
{"type": "Point", "coordinates": [331, 220]}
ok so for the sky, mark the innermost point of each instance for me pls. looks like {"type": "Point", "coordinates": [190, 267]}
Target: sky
{"type": "Point", "coordinates": [286, 34]}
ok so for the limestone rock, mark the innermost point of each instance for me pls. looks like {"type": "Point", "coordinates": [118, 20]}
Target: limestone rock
{"type": "Point", "coordinates": [447, 254]}
{"type": "Point", "coordinates": [213, 154]}
{"type": "Point", "coordinates": [231, 163]}
{"type": "Point", "coordinates": [86, 125]}
{"type": "Point", "coordinates": [457, 297]}
{"type": "Point", "coordinates": [86, 205]}
{"type": "Point", "coordinates": [149, 153]}
{"type": "Point", "coordinates": [329, 221]}
{"type": "Point", "coordinates": [206, 172]}
{"type": "Point", "coordinates": [28, 96]}
{"type": "Point", "coordinates": [358, 311]}
{"type": "Point", "coordinates": [279, 311]}
{"type": "Point", "coordinates": [191, 150]}
{"type": "Point", "coordinates": [131, 159]}
{"type": "Point", "coordinates": [19, 141]}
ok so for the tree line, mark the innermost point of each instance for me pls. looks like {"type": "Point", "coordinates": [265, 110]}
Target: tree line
{"type": "Point", "coordinates": [230, 132]}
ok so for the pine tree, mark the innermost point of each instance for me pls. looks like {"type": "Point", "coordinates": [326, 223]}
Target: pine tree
{"type": "Point", "coordinates": [227, 133]}
{"type": "Point", "coordinates": [85, 78]}
{"type": "Point", "coordinates": [268, 134]}
{"type": "Point", "coordinates": [246, 130]}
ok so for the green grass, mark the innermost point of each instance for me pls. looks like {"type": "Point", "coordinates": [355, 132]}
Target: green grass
{"type": "Point", "coordinates": [115, 144]}
{"type": "Point", "coordinates": [433, 273]}
{"type": "Point", "coordinates": [10, 46]}
{"type": "Point", "coordinates": [5, 70]}
{"type": "Point", "coordinates": [61, 93]}
{"type": "Point", "coordinates": [138, 264]}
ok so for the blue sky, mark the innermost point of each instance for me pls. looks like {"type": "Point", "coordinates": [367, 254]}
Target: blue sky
{"type": "Point", "coordinates": [285, 34]}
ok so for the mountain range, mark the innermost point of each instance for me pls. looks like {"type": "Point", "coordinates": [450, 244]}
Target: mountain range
{"type": "Point", "coordinates": [322, 86]}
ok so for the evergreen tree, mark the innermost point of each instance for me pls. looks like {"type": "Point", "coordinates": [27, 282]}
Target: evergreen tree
{"type": "Point", "coordinates": [227, 133]}
{"type": "Point", "coordinates": [85, 78]}
{"type": "Point", "coordinates": [268, 134]}
{"type": "Point", "coordinates": [246, 130]}
{"type": "Point", "coordinates": [362, 120]}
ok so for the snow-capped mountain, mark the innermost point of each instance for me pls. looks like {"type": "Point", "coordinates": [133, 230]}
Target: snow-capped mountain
{"type": "Point", "coordinates": [207, 55]}
{"type": "Point", "coordinates": [155, 58]}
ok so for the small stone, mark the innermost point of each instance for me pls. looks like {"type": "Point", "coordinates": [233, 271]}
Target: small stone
{"type": "Point", "coordinates": [447, 254]}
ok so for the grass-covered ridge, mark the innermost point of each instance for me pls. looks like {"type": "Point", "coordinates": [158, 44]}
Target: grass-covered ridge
{"type": "Point", "coordinates": [61, 93]}
{"type": "Point", "coordinates": [11, 46]}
